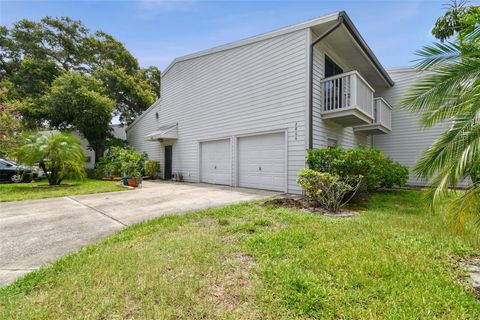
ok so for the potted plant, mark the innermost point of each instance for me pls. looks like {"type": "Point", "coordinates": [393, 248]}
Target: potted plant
{"type": "Point", "coordinates": [131, 164]}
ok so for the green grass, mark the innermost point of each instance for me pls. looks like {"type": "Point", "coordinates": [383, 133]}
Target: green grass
{"type": "Point", "coordinates": [247, 261]}
{"type": "Point", "coordinates": [28, 191]}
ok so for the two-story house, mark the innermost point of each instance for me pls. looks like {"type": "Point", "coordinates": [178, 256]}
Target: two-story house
{"type": "Point", "coordinates": [243, 114]}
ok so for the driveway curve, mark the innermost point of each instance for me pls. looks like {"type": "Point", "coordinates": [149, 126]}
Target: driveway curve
{"type": "Point", "coordinates": [34, 233]}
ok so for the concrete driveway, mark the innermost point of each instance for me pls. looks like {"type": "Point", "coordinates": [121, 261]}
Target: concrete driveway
{"type": "Point", "coordinates": [36, 232]}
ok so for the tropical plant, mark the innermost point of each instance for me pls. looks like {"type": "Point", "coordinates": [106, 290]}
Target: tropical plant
{"type": "Point", "coordinates": [330, 191]}
{"type": "Point", "coordinates": [449, 93]}
{"type": "Point", "coordinates": [59, 155]}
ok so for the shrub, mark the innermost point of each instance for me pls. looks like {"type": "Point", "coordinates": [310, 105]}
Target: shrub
{"type": "Point", "coordinates": [121, 162]}
{"type": "Point", "coordinates": [152, 168]}
{"type": "Point", "coordinates": [377, 170]}
{"type": "Point", "coordinates": [330, 191]}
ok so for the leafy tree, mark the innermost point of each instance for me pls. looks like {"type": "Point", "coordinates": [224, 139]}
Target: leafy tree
{"type": "Point", "coordinates": [11, 125]}
{"type": "Point", "coordinates": [9, 128]}
{"type": "Point", "coordinates": [459, 19]}
{"type": "Point", "coordinates": [79, 102]}
{"type": "Point", "coordinates": [449, 93]}
{"type": "Point", "coordinates": [34, 54]}
{"type": "Point", "coordinates": [58, 155]}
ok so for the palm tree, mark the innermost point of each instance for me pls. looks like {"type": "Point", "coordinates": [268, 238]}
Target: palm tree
{"type": "Point", "coordinates": [450, 93]}
{"type": "Point", "coordinates": [58, 155]}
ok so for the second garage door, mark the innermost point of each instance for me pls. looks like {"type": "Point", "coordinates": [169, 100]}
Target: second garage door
{"type": "Point", "coordinates": [216, 162]}
{"type": "Point", "coordinates": [261, 162]}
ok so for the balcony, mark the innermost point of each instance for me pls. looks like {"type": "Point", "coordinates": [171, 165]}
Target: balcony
{"type": "Point", "coordinates": [347, 99]}
{"type": "Point", "coordinates": [382, 122]}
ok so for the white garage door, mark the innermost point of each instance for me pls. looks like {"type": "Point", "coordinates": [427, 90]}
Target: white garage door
{"type": "Point", "coordinates": [261, 162]}
{"type": "Point", "coordinates": [215, 162]}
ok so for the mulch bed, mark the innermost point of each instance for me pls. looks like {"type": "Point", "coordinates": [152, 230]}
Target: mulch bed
{"type": "Point", "coordinates": [311, 206]}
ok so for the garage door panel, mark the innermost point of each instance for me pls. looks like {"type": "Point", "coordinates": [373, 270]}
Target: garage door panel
{"type": "Point", "coordinates": [261, 161]}
{"type": "Point", "coordinates": [216, 162]}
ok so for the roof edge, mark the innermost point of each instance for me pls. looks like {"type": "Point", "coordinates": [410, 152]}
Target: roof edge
{"type": "Point", "coordinates": [363, 44]}
{"type": "Point", "coordinates": [263, 36]}
{"type": "Point", "coordinates": [144, 113]}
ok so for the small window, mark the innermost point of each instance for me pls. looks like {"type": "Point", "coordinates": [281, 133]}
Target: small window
{"type": "Point", "coordinates": [331, 68]}
{"type": "Point", "coordinates": [332, 143]}
{"type": "Point", "coordinates": [156, 115]}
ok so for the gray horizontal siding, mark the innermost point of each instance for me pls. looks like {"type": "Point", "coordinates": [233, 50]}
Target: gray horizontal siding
{"type": "Point", "coordinates": [136, 134]}
{"type": "Point", "coordinates": [408, 139]}
{"type": "Point", "coordinates": [259, 87]}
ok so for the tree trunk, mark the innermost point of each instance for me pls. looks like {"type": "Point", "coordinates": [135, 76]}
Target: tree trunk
{"type": "Point", "coordinates": [48, 175]}
{"type": "Point", "coordinates": [99, 151]}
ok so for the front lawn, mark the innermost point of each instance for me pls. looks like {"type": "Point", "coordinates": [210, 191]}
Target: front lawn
{"type": "Point", "coordinates": [247, 261]}
{"type": "Point", "coordinates": [28, 191]}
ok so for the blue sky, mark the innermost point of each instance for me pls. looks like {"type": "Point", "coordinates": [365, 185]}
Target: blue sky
{"type": "Point", "coordinates": [158, 31]}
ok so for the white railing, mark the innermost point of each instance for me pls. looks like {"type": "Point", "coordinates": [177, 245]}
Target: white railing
{"type": "Point", "coordinates": [347, 90]}
{"type": "Point", "coordinates": [382, 112]}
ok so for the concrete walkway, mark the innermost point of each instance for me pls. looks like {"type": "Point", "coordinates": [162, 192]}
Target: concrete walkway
{"type": "Point", "coordinates": [36, 232]}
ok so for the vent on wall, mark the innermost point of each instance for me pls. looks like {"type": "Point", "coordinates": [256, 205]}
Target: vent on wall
{"type": "Point", "coordinates": [156, 115]}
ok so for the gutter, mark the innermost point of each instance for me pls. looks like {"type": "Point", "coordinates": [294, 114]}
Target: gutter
{"type": "Point", "coordinates": [310, 102]}
{"type": "Point", "coordinates": [345, 20]}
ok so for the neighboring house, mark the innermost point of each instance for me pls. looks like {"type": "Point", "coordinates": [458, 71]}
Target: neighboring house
{"type": "Point", "coordinates": [118, 131]}
{"type": "Point", "coordinates": [243, 114]}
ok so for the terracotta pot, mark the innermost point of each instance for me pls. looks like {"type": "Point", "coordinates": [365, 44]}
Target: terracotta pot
{"type": "Point", "coordinates": [132, 182]}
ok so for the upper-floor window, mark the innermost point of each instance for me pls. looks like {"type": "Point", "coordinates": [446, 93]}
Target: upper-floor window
{"type": "Point", "coordinates": [332, 90]}
{"type": "Point", "coordinates": [331, 68]}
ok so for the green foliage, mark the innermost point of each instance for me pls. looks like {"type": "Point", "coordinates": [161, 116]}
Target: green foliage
{"type": "Point", "coordinates": [10, 129]}
{"type": "Point", "coordinates": [58, 155]}
{"type": "Point", "coordinates": [118, 161]}
{"type": "Point", "coordinates": [331, 191]}
{"type": "Point", "coordinates": [448, 94]}
{"type": "Point", "coordinates": [377, 170]}
{"type": "Point", "coordinates": [392, 262]}
{"type": "Point", "coordinates": [34, 54]}
{"type": "Point", "coordinates": [460, 19]}
{"type": "Point", "coordinates": [152, 168]}
{"type": "Point", "coordinates": [78, 101]}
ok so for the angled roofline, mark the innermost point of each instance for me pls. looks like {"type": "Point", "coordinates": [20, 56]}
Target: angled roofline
{"type": "Point", "coordinates": [364, 46]}
{"type": "Point", "coordinates": [264, 36]}
{"type": "Point", "coordinates": [402, 69]}
{"type": "Point", "coordinates": [143, 114]}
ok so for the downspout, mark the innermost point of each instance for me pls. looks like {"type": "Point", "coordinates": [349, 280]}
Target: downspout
{"type": "Point", "coordinates": [310, 103]}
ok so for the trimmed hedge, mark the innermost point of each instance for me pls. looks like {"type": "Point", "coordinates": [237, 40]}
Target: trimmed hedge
{"type": "Point", "coordinates": [377, 170]}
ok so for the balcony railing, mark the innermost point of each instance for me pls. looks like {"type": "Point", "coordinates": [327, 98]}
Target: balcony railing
{"type": "Point", "coordinates": [382, 118]}
{"type": "Point", "coordinates": [382, 112]}
{"type": "Point", "coordinates": [347, 98]}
